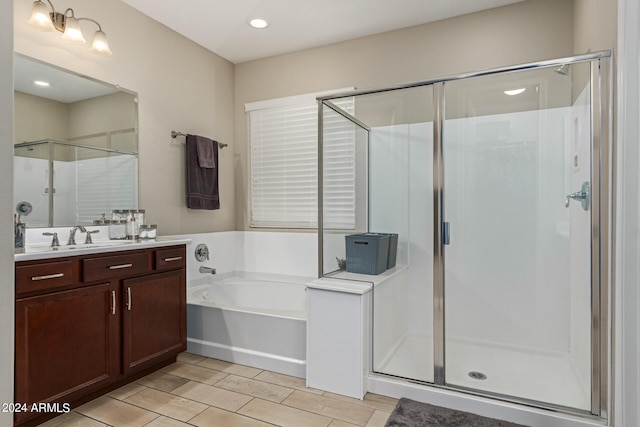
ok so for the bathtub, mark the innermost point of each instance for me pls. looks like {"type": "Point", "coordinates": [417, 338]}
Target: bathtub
{"type": "Point", "coordinates": [254, 319]}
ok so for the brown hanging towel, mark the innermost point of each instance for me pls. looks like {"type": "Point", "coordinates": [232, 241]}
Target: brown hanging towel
{"type": "Point", "coordinates": [202, 182]}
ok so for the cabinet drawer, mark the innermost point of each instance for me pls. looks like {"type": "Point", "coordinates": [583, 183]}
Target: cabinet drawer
{"type": "Point", "coordinates": [38, 277]}
{"type": "Point", "coordinates": [170, 258]}
{"type": "Point", "coordinates": [109, 267]}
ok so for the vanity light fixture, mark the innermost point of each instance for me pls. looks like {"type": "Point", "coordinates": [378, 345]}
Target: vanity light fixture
{"type": "Point", "coordinates": [258, 23]}
{"type": "Point", "coordinates": [67, 23]}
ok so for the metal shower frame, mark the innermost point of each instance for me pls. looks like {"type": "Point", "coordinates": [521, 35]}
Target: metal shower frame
{"type": "Point", "coordinates": [602, 217]}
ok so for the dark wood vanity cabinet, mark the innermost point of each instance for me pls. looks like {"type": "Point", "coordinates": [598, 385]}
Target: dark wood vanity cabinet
{"type": "Point", "coordinates": [85, 325]}
{"type": "Point", "coordinates": [153, 319]}
{"type": "Point", "coordinates": [66, 345]}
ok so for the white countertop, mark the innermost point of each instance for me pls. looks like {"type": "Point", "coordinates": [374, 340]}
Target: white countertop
{"type": "Point", "coordinates": [340, 285]}
{"type": "Point", "coordinates": [38, 251]}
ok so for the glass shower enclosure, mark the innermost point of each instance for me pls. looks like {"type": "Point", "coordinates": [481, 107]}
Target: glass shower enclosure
{"type": "Point", "coordinates": [66, 184]}
{"type": "Point", "coordinates": [498, 186]}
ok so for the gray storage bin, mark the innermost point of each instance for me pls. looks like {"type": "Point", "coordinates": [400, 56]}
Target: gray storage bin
{"type": "Point", "coordinates": [367, 253]}
{"type": "Point", "coordinates": [393, 250]}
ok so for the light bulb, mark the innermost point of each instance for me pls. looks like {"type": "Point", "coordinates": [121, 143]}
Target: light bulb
{"type": "Point", "coordinates": [40, 18]}
{"type": "Point", "coordinates": [72, 32]}
{"type": "Point", "coordinates": [100, 46]}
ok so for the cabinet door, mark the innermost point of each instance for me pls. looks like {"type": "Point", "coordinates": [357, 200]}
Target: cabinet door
{"type": "Point", "coordinates": [67, 343]}
{"type": "Point", "coordinates": [154, 319]}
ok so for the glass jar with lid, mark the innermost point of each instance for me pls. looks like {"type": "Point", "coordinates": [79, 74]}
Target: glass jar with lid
{"type": "Point", "coordinates": [148, 231]}
{"type": "Point", "coordinates": [118, 229]}
{"type": "Point", "coordinates": [118, 224]}
{"type": "Point", "coordinates": [119, 214]}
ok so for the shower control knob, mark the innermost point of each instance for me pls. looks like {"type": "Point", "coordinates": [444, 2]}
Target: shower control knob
{"type": "Point", "coordinates": [202, 252]}
{"type": "Point", "coordinates": [583, 196]}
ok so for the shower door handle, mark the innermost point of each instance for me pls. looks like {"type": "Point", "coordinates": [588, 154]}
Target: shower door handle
{"type": "Point", "coordinates": [445, 233]}
{"type": "Point", "coordinates": [583, 196]}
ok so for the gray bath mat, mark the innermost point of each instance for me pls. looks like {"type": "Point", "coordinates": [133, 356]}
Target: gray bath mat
{"type": "Point", "coordinates": [409, 413]}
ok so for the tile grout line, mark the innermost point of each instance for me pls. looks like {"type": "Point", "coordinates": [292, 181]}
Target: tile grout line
{"type": "Point", "coordinates": [260, 382]}
{"type": "Point", "coordinates": [250, 417]}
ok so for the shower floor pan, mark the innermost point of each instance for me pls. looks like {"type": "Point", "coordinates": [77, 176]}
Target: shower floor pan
{"type": "Point", "coordinates": [540, 376]}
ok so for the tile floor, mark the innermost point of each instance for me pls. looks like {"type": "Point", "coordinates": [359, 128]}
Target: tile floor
{"type": "Point", "coordinates": [204, 392]}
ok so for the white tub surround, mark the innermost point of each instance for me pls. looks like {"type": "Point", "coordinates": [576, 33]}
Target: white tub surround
{"type": "Point", "coordinates": [255, 319]}
{"type": "Point", "coordinates": [292, 254]}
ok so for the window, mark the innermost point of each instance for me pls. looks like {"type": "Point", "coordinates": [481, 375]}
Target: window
{"type": "Point", "coordinates": [283, 135]}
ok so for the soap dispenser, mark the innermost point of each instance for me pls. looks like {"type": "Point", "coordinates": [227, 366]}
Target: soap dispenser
{"type": "Point", "coordinates": [19, 231]}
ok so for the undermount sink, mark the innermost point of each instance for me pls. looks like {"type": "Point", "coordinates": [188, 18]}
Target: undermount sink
{"type": "Point", "coordinates": [45, 247]}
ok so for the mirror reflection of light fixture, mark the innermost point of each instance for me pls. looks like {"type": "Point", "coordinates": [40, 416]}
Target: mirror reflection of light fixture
{"type": "Point", "coordinates": [513, 92]}
{"type": "Point", "coordinates": [258, 23]}
{"type": "Point", "coordinates": [67, 23]}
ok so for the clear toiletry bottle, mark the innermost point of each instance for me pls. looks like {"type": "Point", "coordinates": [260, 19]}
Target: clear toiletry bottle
{"type": "Point", "coordinates": [135, 218]}
{"type": "Point", "coordinates": [19, 233]}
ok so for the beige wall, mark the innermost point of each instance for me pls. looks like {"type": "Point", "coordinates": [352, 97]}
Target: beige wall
{"type": "Point", "coordinates": [595, 25]}
{"type": "Point", "coordinates": [39, 118]}
{"type": "Point", "coordinates": [519, 33]}
{"type": "Point", "coordinates": [180, 85]}
{"type": "Point", "coordinates": [104, 114]}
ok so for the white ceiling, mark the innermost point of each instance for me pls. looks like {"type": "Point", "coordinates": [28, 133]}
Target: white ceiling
{"type": "Point", "coordinates": [221, 25]}
{"type": "Point", "coordinates": [65, 86]}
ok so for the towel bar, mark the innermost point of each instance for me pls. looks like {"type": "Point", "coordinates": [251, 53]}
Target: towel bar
{"type": "Point", "coordinates": [175, 134]}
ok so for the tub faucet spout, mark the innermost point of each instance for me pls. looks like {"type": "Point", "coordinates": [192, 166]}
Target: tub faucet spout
{"type": "Point", "coordinates": [207, 270]}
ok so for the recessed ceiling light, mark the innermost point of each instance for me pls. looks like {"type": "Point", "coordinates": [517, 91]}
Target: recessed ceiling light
{"type": "Point", "coordinates": [41, 83]}
{"type": "Point", "coordinates": [258, 23]}
{"type": "Point", "coordinates": [514, 91]}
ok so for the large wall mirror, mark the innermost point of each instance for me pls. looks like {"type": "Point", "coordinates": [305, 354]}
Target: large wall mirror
{"type": "Point", "coordinates": [75, 148]}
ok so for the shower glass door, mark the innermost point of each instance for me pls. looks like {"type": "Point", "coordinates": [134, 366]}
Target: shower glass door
{"type": "Point", "coordinates": [400, 175]}
{"type": "Point", "coordinates": [517, 269]}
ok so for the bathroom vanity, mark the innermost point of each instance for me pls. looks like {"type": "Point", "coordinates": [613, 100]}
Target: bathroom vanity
{"type": "Point", "coordinates": [93, 320]}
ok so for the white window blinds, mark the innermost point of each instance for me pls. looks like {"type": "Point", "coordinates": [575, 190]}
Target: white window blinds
{"type": "Point", "coordinates": [339, 174]}
{"type": "Point", "coordinates": [283, 161]}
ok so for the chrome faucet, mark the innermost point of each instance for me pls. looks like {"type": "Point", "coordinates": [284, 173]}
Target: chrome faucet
{"type": "Point", "coordinates": [88, 240]}
{"type": "Point", "coordinates": [55, 242]}
{"type": "Point", "coordinates": [72, 234]}
{"type": "Point", "coordinates": [207, 270]}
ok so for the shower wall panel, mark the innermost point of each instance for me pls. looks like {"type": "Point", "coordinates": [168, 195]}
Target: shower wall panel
{"type": "Point", "coordinates": [502, 200]}
{"type": "Point", "coordinates": [31, 188]}
{"type": "Point", "coordinates": [83, 189]}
